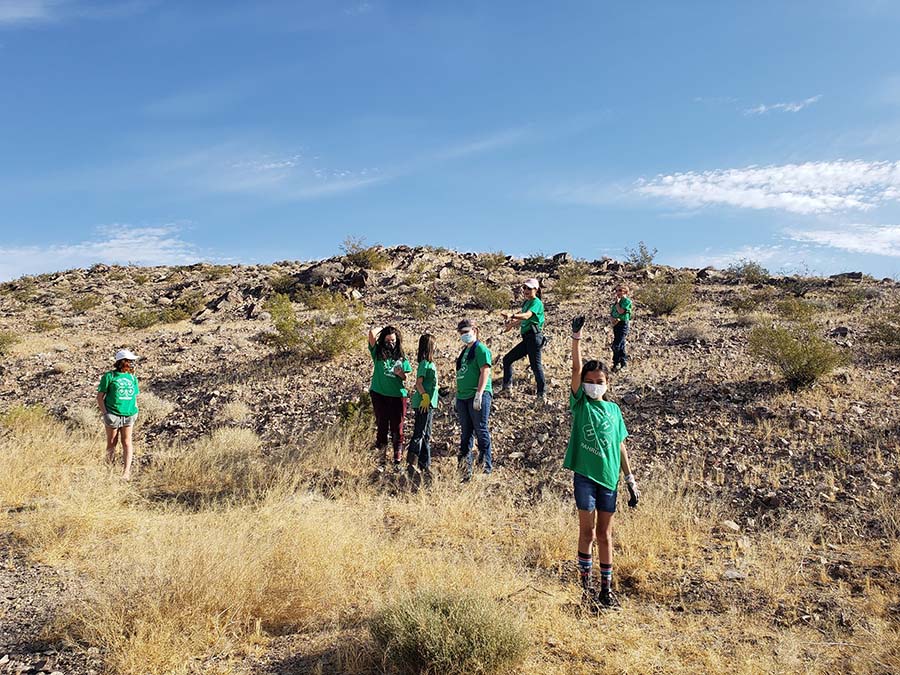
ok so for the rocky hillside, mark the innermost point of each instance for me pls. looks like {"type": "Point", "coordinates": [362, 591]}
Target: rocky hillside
{"type": "Point", "coordinates": [693, 389]}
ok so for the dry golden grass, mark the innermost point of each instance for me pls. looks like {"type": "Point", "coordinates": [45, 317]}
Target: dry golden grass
{"type": "Point", "coordinates": [313, 543]}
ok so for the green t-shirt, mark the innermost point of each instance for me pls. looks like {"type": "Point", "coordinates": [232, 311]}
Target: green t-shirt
{"type": "Point", "coordinates": [595, 442]}
{"type": "Point", "coordinates": [121, 391]}
{"type": "Point", "coordinates": [469, 370]}
{"type": "Point", "coordinates": [626, 305]}
{"type": "Point", "coordinates": [384, 381]}
{"type": "Point", "coordinates": [428, 373]}
{"type": "Point", "coordinates": [536, 307]}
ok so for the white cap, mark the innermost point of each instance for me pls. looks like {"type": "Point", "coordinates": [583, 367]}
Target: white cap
{"type": "Point", "coordinates": [125, 354]}
{"type": "Point", "coordinates": [531, 283]}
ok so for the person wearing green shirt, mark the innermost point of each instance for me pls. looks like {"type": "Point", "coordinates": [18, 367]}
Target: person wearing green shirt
{"type": "Point", "coordinates": [620, 319]}
{"type": "Point", "coordinates": [387, 389]}
{"type": "Point", "coordinates": [473, 399]}
{"type": "Point", "coordinates": [531, 326]}
{"type": "Point", "coordinates": [596, 453]}
{"type": "Point", "coordinates": [117, 399]}
{"type": "Point", "coordinates": [424, 402]}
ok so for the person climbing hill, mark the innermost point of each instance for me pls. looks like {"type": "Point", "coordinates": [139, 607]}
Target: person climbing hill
{"type": "Point", "coordinates": [117, 399]}
{"type": "Point", "coordinates": [531, 326]}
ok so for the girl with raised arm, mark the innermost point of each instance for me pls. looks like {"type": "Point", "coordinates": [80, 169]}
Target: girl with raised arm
{"type": "Point", "coordinates": [387, 389]}
{"type": "Point", "coordinates": [596, 454]}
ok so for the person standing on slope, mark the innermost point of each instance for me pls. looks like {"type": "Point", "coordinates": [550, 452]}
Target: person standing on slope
{"type": "Point", "coordinates": [473, 399]}
{"type": "Point", "coordinates": [424, 401]}
{"type": "Point", "coordinates": [531, 325]}
{"type": "Point", "coordinates": [620, 320]}
{"type": "Point", "coordinates": [117, 399]}
{"type": "Point", "coordinates": [596, 453]}
{"type": "Point", "coordinates": [387, 389]}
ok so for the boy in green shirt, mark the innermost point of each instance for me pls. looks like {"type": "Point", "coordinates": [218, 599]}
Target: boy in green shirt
{"type": "Point", "coordinates": [596, 454]}
{"type": "Point", "coordinates": [117, 399]}
{"type": "Point", "coordinates": [620, 319]}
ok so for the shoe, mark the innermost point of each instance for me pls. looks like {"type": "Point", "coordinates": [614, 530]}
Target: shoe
{"type": "Point", "coordinates": [398, 457]}
{"type": "Point", "coordinates": [410, 471]}
{"type": "Point", "coordinates": [589, 598]}
{"type": "Point", "coordinates": [540, 401]}
{"type": "Point", "coordinates": [608, 600]}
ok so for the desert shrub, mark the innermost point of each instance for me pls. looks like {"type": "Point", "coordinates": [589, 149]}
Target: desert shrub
{"type": "Point", "coordinates": [886, 330]}
{"type": "Point", "coordinates": [449, 633]}
{"type": "Point", "coordinates": [185, 305]}
{"type": "Point", "coordinates": [492, 261]}
{"type": "Point", "coordinates": [7, 340]}
{"type": "Point", "coordinates": [284, 319]}
{"type": "Point", "coordinates": [234, 412]}
{"type": "Point", "coordinates": [743, 301]}
{"type": "Point", "coordinates": [327, 339]}
{"type": "Point", "coordinates": [663, 298]}
{"type": "Point", "coordinates": [140, 278]}
{"type": "Point", "coordinates": [45, 324]}
{"type": "Point", "coordinates": [418, 304]}
{"type": "Point", "coordinates": [316, 297]}
{"type": "Point", "coordinates": [799, 286]}
{"type": "Point", "coordinates": [140, 318]}
{"type": "Point", "coordinates": [640, 257]}
{"type": "Point", "coordinates": [537, 259]}
{"type": "Point", "coordinates": [856, 298]}
{"type": "Point", "coordinates": [284, 284]}
{"type": "Point", "coordinates": [117, 274]}
{"type": "Point", "coordinates": [572, 277]}
{"type": "Point", "coordinates": [22, 289]}
{"type": "Point", "coordinates": [367, 257]}
{"type": "Point", "coordinates": [24, 418]}
{"type": "Point", "coordinates": [692, 333]}
{"type": "Point", "coordinates": [795, 309]}
{"type": "Point", "coordinates": [357, 410]}
{"type": "Point", "coordinates": [215, 272]}
{"type": "Point", "coordinates": [748, 271]}
{"type": "Point", "coordinates": [153, 409]}
{"type": "Point", "coordinates": [799, 353]}
{"type": "Point", "coordinates": [85, 302]}
{"type": "Point", "coordinates": [491, 296]}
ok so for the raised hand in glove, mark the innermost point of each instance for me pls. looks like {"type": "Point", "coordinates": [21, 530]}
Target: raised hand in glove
{"type": "Point", "coordinates": [577, 325]}
{"type": "Point", "coordinates": [631, 484]}
{"type": "Point", "coordinates": [426, 402]}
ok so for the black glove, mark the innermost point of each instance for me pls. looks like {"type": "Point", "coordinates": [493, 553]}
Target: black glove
{"type": "Point", "coordinates": [577, 324]}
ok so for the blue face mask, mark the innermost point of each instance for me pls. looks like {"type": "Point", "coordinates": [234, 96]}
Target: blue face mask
{"type": "Point", "coordinates": [467, 338]}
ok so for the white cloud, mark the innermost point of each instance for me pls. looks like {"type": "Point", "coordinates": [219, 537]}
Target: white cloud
{"type": "Point", "coordinates": [791, 107]}
{"type": "Point", "coordinates": [21, 11]}
{"type": "Point", "coordinates": [14, 12]}
{"type": "Point", "coordinates": [117, 243]}
{"type": "Point", "coordinates": [501, 139]}
{"type": "Point", "coordinates": [810, 188]}
{"type": "Point", "coordinates": [870, 239]}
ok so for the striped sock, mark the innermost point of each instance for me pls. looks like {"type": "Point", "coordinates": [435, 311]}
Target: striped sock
{"type": "Point", "coordinates": [585, 562]}
{"type": "Point", "coordinates": [605, 576]}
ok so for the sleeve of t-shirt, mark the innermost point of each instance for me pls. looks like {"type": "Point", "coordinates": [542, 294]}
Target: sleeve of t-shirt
{"type": "Point", "coordinates": [626, 305]}
{"type": "Point", "coordinates": [529, 306]}
{"type": "Point", "coordinates": [103, 387]}
{"type": "Point", "coordinates": [407, 368]}
{"type": "Point", "coordinates": [575, 398]}
{"type": "Point", "coordinates": [483, 357]}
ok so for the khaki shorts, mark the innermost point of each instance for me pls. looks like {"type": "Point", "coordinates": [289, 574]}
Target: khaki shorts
{"type": "Point", "coordinates": [118, 421]}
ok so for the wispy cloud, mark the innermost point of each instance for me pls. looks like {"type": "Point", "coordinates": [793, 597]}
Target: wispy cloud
{"type": "Point", "coordinates": [810, 188]}
{"type": "Point", "coordinates": [870, 239]}
{"type": "Point", "coordinates": [495, 141]}
{"type": "Point", "coordinates": [117, 243]}
{"type": "Point", "coordinates": [791, 106]}
{"type": "Point", "coordinates": [23, 11]}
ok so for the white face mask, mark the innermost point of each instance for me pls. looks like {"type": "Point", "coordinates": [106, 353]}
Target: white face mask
{"type": "Point", "coordinates": [594, 391]}
{"type": "Point", "coordinates": [467, 338]}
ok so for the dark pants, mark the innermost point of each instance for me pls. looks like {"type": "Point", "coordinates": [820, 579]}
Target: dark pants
{"type": "Point", "coordinates": [531, 345]}
{"type": "Point", "coordinates": [389, 413]}
{"type": "Point", "coordinates": [620, 332]}
{"type": "Point", "coordinates": [420, 445]}
{"type": "Point", "coordinates": [474, 424]}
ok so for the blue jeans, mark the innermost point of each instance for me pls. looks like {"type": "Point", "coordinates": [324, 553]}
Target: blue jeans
{"type": "Point", "coordinates": [420, 445]}
{"type": "Point", "coordinates": [530, 346]}
{"type": "Point", "coordinates": [474, 424]}
{"type": "Point", "coordinates": [620, 332]}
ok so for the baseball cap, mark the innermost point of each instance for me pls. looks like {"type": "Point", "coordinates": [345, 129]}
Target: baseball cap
{"type": "Point", "coordinates": [531, 283]}
{"type": "Point", "coordinates": [125, 354]}
{"type": "Point", "coordinates": [464, 324]}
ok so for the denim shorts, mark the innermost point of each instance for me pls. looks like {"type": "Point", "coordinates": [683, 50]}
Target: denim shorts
{"type": "Point", "coordinates": [591, 496]}
{"type": "Point", "coordinates": [114, 421]}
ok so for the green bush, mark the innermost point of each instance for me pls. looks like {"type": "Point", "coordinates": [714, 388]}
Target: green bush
{"type": "Point", "coordinates": [449, 634]}
{"type": "Point", "coordinates": [418, 304]}
{"type": "Point", "coordinates": [284, 284]}
{"type": "Point", "coordinates": [794, 309]}
{"type": "Point", "coordinates": [640, 257]}
{"type": "Point", "coordinates": [85, 302]}
{"type": "Point", "coordinates": [317, 297]}
{"type": "Point", "coordinates": [287, 326]}
{"type": "Point", "coordinates": [358, 410]}
{"type": "Point", "coordinates": [799, 353]}
{"type": "Point", "coordinates": [748, 271]}
{"type": "Point", "coordinates": [215, 272]}
{"type": "Point", "coordinates": [857, 298]}
{"type": "Point", "coordinates": [490, 296]}
{"type": "Point", "coordinates": [537, 259]}
{"type": "Point", "coordinates": [140, 318]}
{"type": "Point", "coordinates": [366, 257]}
{"type": "Point", "coordinates": [492, 261]}
{"type": "Point", "coordinates": [327, 340]}
{"type": "Point", "coordinates": [7, 340]}
{"type": "Point", "coordinates": [45, 324]}
{"type": "Point", "coordinates": [140, 278]}
{"type": "Point", "coordinates": [663, 298]}
{"type": "Point", "coordinates": [886, 331]}
{"type": "Point", "coordinates": [571, 278]}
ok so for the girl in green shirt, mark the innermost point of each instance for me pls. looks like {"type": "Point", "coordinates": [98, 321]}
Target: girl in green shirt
{"type": "Point", "coordinates": [424, 402]}
{"type": "Point", "coordinates": [388, 389]}
{"type": "Point", "coordinates": [596, 454]}
{"type": "Point", "coordinates": [531, 326]}
{"type": "Point", "coordinates": [117, 399]}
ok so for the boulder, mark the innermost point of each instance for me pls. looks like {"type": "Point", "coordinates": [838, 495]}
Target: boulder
{"type": "Point", "coordinates": [561, 258]}
{"type": "Point", "coordinates": [849, 276]}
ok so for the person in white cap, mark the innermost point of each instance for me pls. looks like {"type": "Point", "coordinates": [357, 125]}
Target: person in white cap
{"type": "Point", "coordinates": [117, 399]}
{"type": "Point", "coordinates": [531, 326]}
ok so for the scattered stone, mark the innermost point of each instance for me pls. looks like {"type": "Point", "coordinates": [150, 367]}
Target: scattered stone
{"type": "Point", "coordinates": [733, 574]}
{"type": "Point", "coordinates": [730, 526]}
{"type": "Point", "coordinates": [840, 331]}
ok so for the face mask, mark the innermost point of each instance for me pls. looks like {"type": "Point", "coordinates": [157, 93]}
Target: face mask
{"type": "Point", "coordinates": [390, 344]}
{"type": "Point", "coordinates": [467, 338]}
{"type": "Point", "coordinates": [594, 391]}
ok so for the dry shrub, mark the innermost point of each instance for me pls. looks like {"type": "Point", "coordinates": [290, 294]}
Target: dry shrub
{"type": "Point", "coordinates": [492, 261]}
{"type": "Point", "coordinates": [316, 297]}
{"type": "Point", "coordinates": [748, 271]}
{"type": "Point", "coordinates": [491, 297]}
{"type": "Point", "coordinates": [153, 409]}
{"type": "Point", "coordinates": [85, 302]}
{"type": "Point", "coordinates": [449, 634]}
{"type": "Point", "coordinates": [418, 304]}
{"type": "Point", "coordinates": [571, 279]}
{"type": "Point", "coordinates": [234, 412]}
{"type": "Point", "coordinates": [229, 462]}
{"type": "Point", "coordinates": [795, 309]}
{"type": "Point", "coordinates": [84, 418]}
{"type": "Point", "coordinates": [799, 353]}
{"type": "Point", "coordinates": [885, 330]}
{"type": "Point", "coordinates": [8, 340]}
{"type": "Point", "coordinates": [692, 333]}
{"type": "Point", "coordinates": [366, 257]}
{"type": "Point", "coordinates": [45, 324]}
{"type": "Point", "coordinates": [663, 298]}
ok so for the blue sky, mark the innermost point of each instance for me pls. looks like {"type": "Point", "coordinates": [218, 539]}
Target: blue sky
{"type": "Point", "coordinates": [169, 132]}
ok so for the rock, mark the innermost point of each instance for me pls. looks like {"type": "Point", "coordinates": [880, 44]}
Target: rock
{"type": "Point", "coordinates": [164, 301]}
{"type": "Point", "coordinates": [445, 272]}
{"type": "Point", "coordinates": [358, 279]}
{"type": "Point", "coordinates": [227, 301]}
{"type": "Point", "coordinates": [854, 276]}
{"type": "Point", "coordinates": [733, 574]}
{"type": "Point", "coordinates": [203, 315]}
{"type": "Point", "coordinates": [516, 455]}
{"type": "Point", "coordinates": [840, 331]}
{"type": "Point", "coordinates": [324, 274]}
{"type": "Point", "coordinates": [355, 294]}
{"type": "Point", "coordinates": [561, 258]}
{"type": "Point", "coordinates": [812, 415]}
{"type": "Point", "coordinates": [710, 274]}
{"type": "Point", "coordinates": [729, 526]}
{"type": "Point", "coordinates": [631, 398]}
